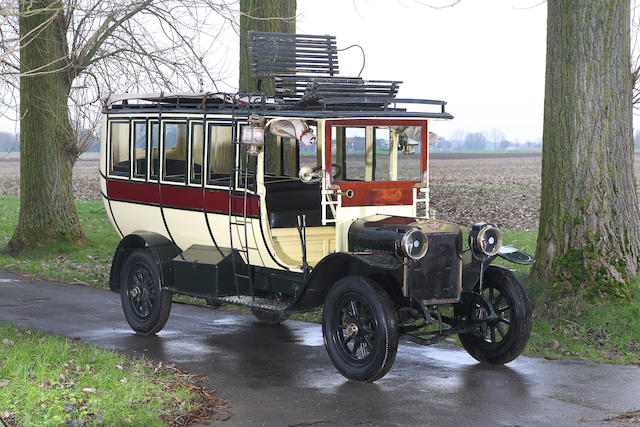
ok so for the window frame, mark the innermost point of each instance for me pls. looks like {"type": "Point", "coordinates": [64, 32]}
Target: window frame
{"type": "Point", "coordinates": [150, 177]}
{"type": "Point", "coordinates": [132, 147]}
{"type": "Point", "coordinates": [328, 135]}
{"type": "Point", "coordinates": [192, 123]}
{"type": "Point", "coordinates": [218, 182]}
{"type": "Point", "coordinates": [109, 169]}
{"type": "Point", "coordinates": [179, 121]}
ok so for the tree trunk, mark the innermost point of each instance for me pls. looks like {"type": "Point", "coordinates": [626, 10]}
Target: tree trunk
{"type": "Point", "coordinates": [251, 18]}
{"type": "Point", "coordinates": [588, 239]}
{"type": "Point", "coordinates": [250, 9]}
{"type": "Point", "coordinates": [47, 154]}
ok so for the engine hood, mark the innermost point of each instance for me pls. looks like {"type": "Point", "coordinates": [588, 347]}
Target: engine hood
{"type": "Point", "coordinates": [384, 232]}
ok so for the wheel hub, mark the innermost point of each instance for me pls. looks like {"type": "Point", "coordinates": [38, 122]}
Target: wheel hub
{"type": "Point", "coordinates": [352, 329]}
{"type": "Point", "coordinates": [135, 292]}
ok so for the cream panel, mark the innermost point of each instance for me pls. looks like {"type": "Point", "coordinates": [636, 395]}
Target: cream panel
{"type": "Point", "coordinates": [257, 251]}
{"type": "Point", "coordinates": [321, 241]}
{"type": "Point", "coordinates": [103, 146]}
{"type": "Point", "coordinates": [108, 210]}
{"type": "Point", "coordinates": [187, 227]}
{"type": "Point", "coordinates": [103, 185]}
{"type": "Point", "coordinates": [131, 217]}
{"type": "Point", "coordinates": [255, 245]}
{"type": "Point", "coordinates": [220, 229]}
{"type": "Point", "coordinates": [265, 241]}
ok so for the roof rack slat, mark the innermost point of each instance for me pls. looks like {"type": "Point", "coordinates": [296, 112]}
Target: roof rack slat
{"type": "Point", "coordinates": [271, 54]}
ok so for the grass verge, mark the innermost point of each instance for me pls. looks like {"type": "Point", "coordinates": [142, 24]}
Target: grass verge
{"type": "Point", "coordinates": [604, 332]}
{"type": "Point", "coordinates": [87, 263]}
{"type": "Point", "coordinates": [45, 380]}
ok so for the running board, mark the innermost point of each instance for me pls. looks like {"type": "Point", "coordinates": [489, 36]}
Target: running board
{"type": "Point", "coordinates": [269, 304]}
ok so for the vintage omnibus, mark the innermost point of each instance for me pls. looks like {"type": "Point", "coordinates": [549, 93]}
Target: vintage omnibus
{"type": "Point", "coordinates": [313, 198]}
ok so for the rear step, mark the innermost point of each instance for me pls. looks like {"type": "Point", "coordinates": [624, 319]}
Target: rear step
{"type": "Point", "coordinates": [208, 271]}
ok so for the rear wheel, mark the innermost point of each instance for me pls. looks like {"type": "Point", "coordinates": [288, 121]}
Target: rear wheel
{"type": "Point", "coordinates": [146, 306]}
{"type": "Point", "coordinates": [269, 317]}
{"type": "Point", "coordinates": [360, 329]}
{"type": "Point", "coordinates": [500, 340]}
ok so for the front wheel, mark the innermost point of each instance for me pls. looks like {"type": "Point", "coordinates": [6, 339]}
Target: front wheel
{"type": "Point", "coordinates": [360, 329]}
{"type": "Point", "coordinates": [502, 339]}
{"type": "Point", "coordinates": [146, 306]}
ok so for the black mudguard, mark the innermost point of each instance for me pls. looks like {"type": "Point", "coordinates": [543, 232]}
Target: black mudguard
{"type": "Point", "coordinates": [515, 256]}
{"type": "Point", "coordinates": [162, 249]}
{"type": "Point", "coordinates": [471, 266]}
{"type": "Point", "coordinates": [341, 264]}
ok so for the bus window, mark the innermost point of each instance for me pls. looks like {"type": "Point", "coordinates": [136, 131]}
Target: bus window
{"type": "Point", "coordinates": [285, 156]}
{"type": "Point", "coordinates": [219, 154]}
{"type": "Point", "coordinates": [197, 155]}
{"type": "Point", "coordinates": [140, 149]}
{"type": "Point", "coordinates": [272, 154]}
{"type": "Point", "coordinates": [175, 153]}
{"type": "Point", "coordinates": [290, 157]}
{"type": "Point", "coordinates": [155, 150]}
{"type": "Point", "coordinates": [119, 149]}
{"type": "Point", "coordinates": [308, 155]}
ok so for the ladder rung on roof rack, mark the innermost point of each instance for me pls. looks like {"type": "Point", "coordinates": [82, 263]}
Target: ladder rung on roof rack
{"type": "Point", "coordinates": [278, 54]}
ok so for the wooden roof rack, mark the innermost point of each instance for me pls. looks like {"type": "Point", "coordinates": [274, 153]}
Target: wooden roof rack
{"type": "Point", "coordinates": [304, 69]}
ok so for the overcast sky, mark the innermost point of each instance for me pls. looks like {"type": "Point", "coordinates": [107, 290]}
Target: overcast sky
{"type": "Point", "coordinates": [485, 58]}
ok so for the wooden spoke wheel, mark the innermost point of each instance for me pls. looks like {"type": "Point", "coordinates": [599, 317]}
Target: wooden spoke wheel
{"type": "Point", "coordinates": [360, 329]}
{"type": "Point", "coordinates": [146, 306]}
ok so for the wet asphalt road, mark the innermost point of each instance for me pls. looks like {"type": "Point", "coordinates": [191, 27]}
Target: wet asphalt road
{"type": "Point", "coordinates": [281, 375]}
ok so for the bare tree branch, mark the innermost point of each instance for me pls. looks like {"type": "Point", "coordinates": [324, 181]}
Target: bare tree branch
{"type": "Point", "coordinates": [118, 46]}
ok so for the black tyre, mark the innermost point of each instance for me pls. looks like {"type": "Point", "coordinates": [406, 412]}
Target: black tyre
{"type": "Point", "coordinates": [146, 306]}
{"type": "Point", "coordinates": [360, 329]}
{"type": "Point", "coordinates": [269, 317]}
{"type": "Point", "coordinates": [501, 340]}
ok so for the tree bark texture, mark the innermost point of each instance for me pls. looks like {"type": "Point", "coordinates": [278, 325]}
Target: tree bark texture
{"type": "Point", "coordinates": [253, 17]}
{"type": "Point", "coordinates": [47, 153]}
{"type": "Point", "coordinates": [588, 239]}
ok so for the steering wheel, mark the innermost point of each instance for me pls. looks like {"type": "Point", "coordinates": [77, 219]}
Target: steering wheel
{"type": "Point", "coordinates": [336, 169]}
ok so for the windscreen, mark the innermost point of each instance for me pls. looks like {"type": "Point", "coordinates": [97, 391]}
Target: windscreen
{"type": "Point", "coordinates": [376, 153]}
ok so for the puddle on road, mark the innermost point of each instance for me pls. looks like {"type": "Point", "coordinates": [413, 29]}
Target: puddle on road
{"type": "Point", "coordinates": [230, 320]}
{"type": "Point", "coordinates": [304, 334]}
{"type": "Point", "coordinates": [9, 280]}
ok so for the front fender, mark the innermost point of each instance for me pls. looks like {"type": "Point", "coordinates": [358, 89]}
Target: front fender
{"type": "Point", "coordinates": [515, 256]}
{"type": "Point", "coordinates": [341, 264]}
{"type": "Point", "coordinates": [471, 266]}
{"type": "Point", "coordinates": [162, 249]}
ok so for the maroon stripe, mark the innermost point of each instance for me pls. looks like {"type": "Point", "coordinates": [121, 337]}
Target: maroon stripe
{"type": "Point", "coordinates": [219, 201]}
{"type": "Point", "coordinates": [181, 197]}
{"type": "Point", "coordinates": [134, 191]}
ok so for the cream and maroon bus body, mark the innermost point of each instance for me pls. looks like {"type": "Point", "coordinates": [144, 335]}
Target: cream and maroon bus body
{"type": "Point", "coordinates": [317, 196]}
{"type": "Point", "coordinates": [265, 221]}
{"type": "Point", "coordinates": [166, 194]}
